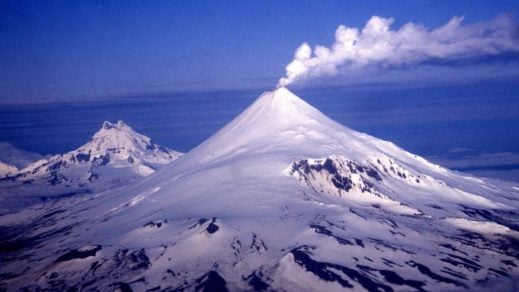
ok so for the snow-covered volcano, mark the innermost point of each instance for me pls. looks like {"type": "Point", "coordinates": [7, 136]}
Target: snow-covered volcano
{"type": "Point", "coordinates": [282, 198]}
{"type": "Point", "coordinates": [116, 145]}
{"type": "Point", "coordinates": [115, 156]}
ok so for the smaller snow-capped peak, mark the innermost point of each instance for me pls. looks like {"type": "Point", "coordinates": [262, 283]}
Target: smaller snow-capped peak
{"type": "Point", "coordinates": [114, 147]}
{"type": "Point", "coordinates": [118, 144]}
{"type": "Point", "coordinates": [123, 143]}
{"type": "Point", "coordinates": [115, 156]}
{"type": "Point", "coordinates": [115, 136]}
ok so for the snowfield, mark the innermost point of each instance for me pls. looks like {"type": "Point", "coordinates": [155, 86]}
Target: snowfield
{"type": "Point", "coordinates": [282, 198]}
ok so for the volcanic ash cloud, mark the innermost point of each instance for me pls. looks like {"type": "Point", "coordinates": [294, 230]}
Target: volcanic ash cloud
{"type": "Point", "coordinates": [377, 44]}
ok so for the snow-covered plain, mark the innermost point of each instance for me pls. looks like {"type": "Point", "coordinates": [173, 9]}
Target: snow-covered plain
{"type": "Point", "coordinates": [282, 198]}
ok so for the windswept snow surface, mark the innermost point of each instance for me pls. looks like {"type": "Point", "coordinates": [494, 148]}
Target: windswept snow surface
{"type": "Point", "coordinates": [115, 156]}
{"type": "Point", "coordinates": [282, 198]}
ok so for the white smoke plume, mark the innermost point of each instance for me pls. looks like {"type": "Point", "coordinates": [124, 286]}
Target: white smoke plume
{"type": "Point", "coordinates": [377, 44]}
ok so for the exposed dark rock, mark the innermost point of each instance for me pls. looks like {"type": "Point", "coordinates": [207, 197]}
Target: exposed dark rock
{"type": "Point", "coordinates": [163, 149]}
{"type": "Point", "coordinates": [322, 230]}
{"type": "Point", "coordinates": [427, 272]}
{"type": "Point", "coordinates": [93, 176]}
{"type": "Point", "coordinates": [122, 287]}
{"type": "Point", "coordinates": [83, 157]}
{"type": "Point", "coordinates": [509, 263]}
{"type": "Point", "coordinates": [339, 173]}
{"type": "Point", "coordinates": [200, 222]}
{"type": "Point", "coordinates": [374, 174]}
{"type": "Point", "coordinates": [325, 272]}
{"type": "Point", "coordinates": [394, 278]}
{"type": "Point", "coordinates": [139, 260]}
{"type": "Point", "coordinates": [498, 272]}
{"type": "Point", "coordinates": [328, 166]}
{"type": "Point", "coordinates": [79, 253]}
{"type": "Point", "coordinates": [359, 242]}
{"type": "Point", "coordinates": [103, 159]}
{"type": "Point", "coordinates": [135, 260]}
{"type": "Point", "coordinates": [212, 227]}
{"type": "Point", "coordinates": [258, 244]}
{"type": "Point", "coordinates": [211, 282]}
{"type": "Point", "coordinates": [389, 246]}
{"type": "Point", "coordinates": [454, 273]}
{"type": "Point", "coordinates": [151, 146]}
{"type": "Point", "coordinates": [342, 182]}
{"type": "Point", "coordinates": [458, 261]}
{"type": "Point", "coordinates": [56, 178]}
{"type": "Point", "coordinates": [153, 224]}
{"type": "Point", "coordinates": [503, 217]}
{"type": "Point", "coordinates": [55, 166]}
{"type": "Point", "coordinates": [449, 246]}
{"type": "Point", "coordinates": [256, 282]}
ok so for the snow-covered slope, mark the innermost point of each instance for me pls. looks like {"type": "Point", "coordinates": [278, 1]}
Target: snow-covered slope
{"type": "Point", "coordinates": [114, 157]}
{"type": "Point", "coordinates": [282, 198]}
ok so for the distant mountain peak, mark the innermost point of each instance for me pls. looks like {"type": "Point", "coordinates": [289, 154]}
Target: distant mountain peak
{"type": "Point", "coordinates": [122, 143]}
{"type": "Point", "coordinates": [121, 137]}
{"type": "Point", "coordinates": [116, 155]}
{"type": "Point", "coordinates": [114, 129]}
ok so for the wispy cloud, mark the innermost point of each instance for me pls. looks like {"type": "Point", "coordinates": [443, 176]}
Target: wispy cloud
{"type": "Point", "coordinates": [378, 45]}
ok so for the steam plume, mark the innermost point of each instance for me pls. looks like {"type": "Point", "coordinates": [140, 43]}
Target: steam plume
{"type": "Point", "coordinates": [376, 44]}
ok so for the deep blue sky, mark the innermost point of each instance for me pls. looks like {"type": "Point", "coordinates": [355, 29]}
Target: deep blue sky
{"type": "Point", "coordinates": [76, 49]}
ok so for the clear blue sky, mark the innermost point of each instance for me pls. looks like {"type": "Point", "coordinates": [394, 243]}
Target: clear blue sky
{"type": "Point", "coordinates": [76, 49]}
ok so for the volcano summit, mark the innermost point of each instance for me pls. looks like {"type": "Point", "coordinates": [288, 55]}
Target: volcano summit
{"type": "Point", "coordinates": [282, 198]}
